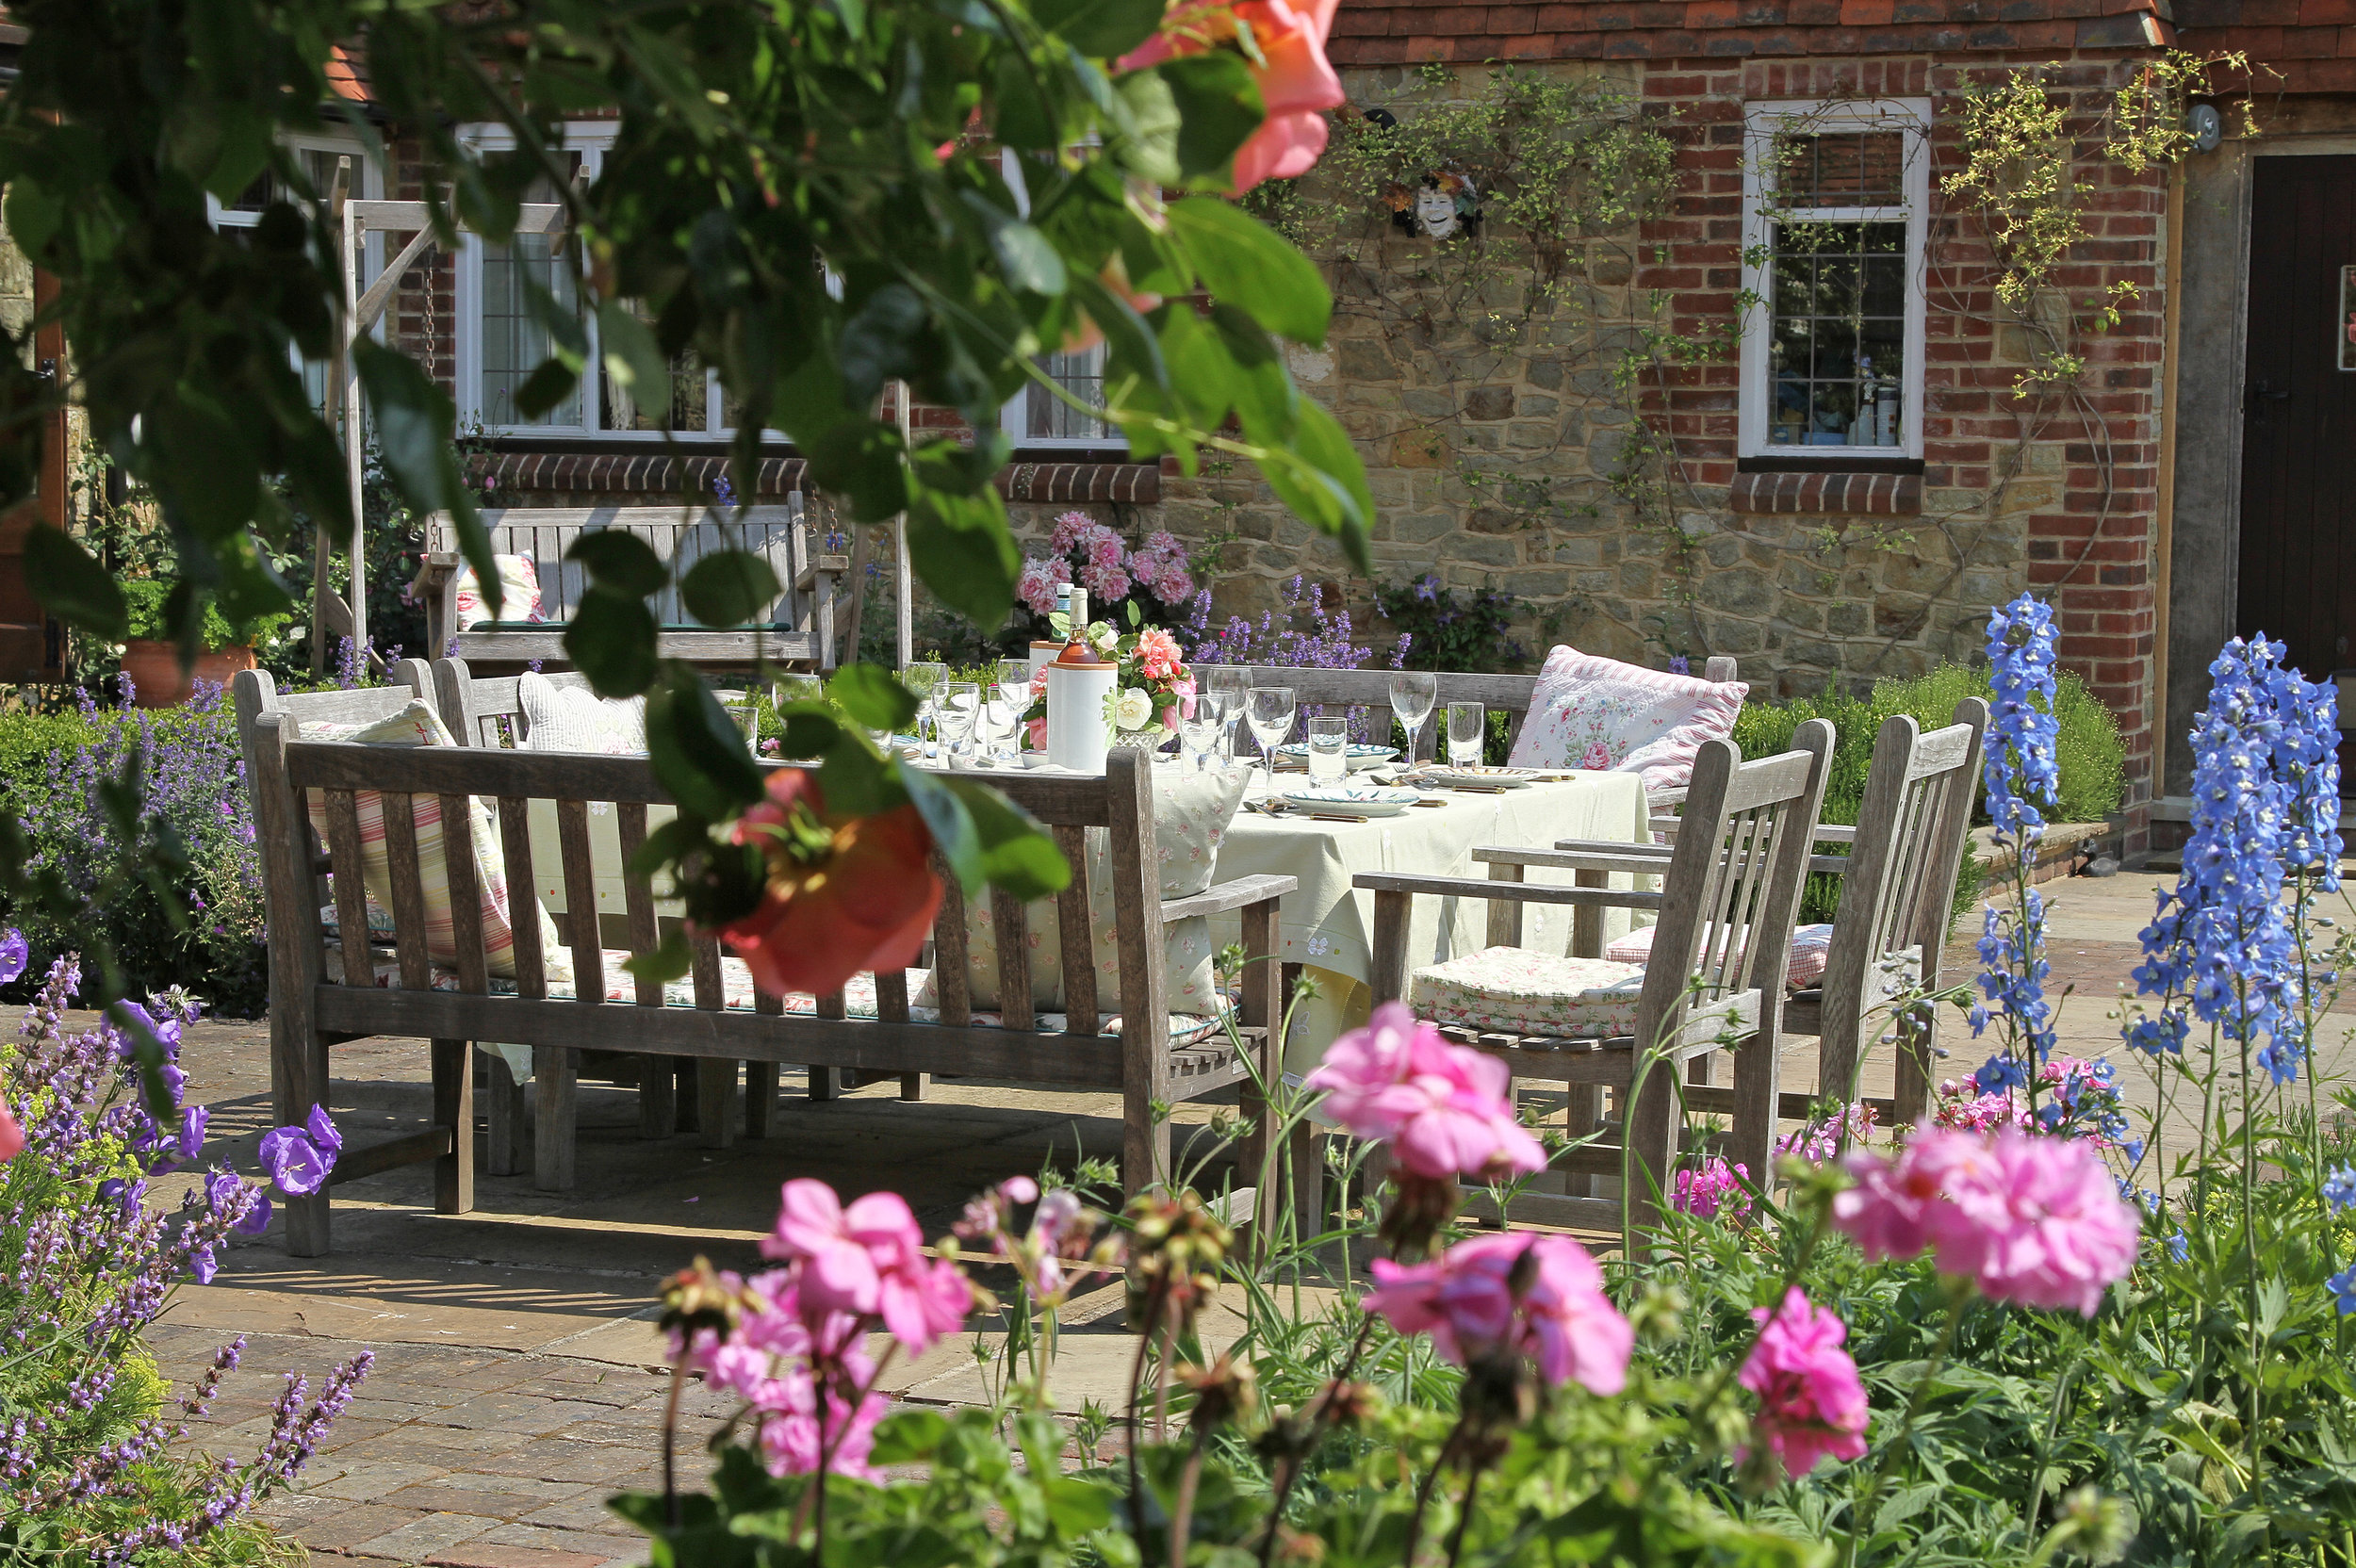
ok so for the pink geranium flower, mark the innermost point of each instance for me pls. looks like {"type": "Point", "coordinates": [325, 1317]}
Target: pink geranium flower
{"type": "Point", "coordinates": [1812, 1403]}
{"type": "Point", "coordinates": [1442, 1107]}
{"type": "Point", "coordinates": [1287, 63]}
{"type": "Point", "coordinates": [2027, 1217]}
{"type": "Point", "coordinates": [1712, 1190]}
{"type": "Point", "coordinates": [868, 1261]}
{"type": "Point", "coordinates": [1465, 1300]}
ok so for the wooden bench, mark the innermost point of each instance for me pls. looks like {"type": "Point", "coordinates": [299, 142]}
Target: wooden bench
{"type": "Point", "coordinates": [801, 632]}
{"type": "Point", "coordinates": [1371, 689]}
{"type": "Point", "coordinates": [321, 997]}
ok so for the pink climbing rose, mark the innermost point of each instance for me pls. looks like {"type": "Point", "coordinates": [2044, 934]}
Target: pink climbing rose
{"type": "Point", "coordinates": [2028, 1219]}
{"type": "Point", "coordinates": [1442, 1107]}
{"type": "Point", "coordinates": [1812, 1403]}
{"type": "Point", "coordinates": [869, 1261]}
{"type": "Point", "coordinates": [1465, 1300]}
{"type": "Point", "coordinates": [1284, 49]}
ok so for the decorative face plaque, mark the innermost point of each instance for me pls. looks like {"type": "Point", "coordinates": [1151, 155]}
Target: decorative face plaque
{"type": "Point", "coordinates": [2347, 323]}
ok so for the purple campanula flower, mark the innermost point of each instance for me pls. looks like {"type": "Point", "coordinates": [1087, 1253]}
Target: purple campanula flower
{"type": "Point", "coordinates": [298, 1158]}
{"type": "Point", "coordinates": [324, 1132]}
{"type": "Point", "coordinates": [192, 1124]}
{"type": "Point", "coordinates": [13, 954]}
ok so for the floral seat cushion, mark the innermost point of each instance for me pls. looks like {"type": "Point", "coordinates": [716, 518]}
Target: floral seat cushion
{"type": "Point", "coordinates": [1517, 991]}
{"type": "Point", "coordinates": [1804, 967]}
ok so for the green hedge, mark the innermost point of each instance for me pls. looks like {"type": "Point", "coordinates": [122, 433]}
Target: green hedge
{"type": "Point", "coordinates": [2092, 754]}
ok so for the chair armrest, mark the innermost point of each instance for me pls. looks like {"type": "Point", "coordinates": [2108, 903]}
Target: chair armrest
{"type": "Point", "coordinates": [1835, 833]}
{"type": "Point", "coordinates": [1613, 846]}
{"type": "Point", "coordinates": [1664, 797]}
{"type": "Point", "coordinates": [1240, 894]}
{"type": "Point", "coordinates": [821, 565]}
{"type": "Point", "coordinates": [1509, 892]}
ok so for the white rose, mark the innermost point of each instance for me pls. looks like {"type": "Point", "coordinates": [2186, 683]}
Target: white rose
{"type": "Point", "coordinates": [1135, 708]}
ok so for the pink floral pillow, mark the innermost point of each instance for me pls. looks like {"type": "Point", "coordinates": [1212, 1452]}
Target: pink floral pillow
{"type": "Point", "coordinates": [519, 583]}
{"type": "Point", "coordinates": [1589, 711]}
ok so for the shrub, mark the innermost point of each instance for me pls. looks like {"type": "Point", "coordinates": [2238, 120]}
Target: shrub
{"type": "Point", "coordinates": [2090, 752]}
{"type": "Point", "coordinates": [146, 597]}
{"type": "Point", "coordinates": [1444, 632]}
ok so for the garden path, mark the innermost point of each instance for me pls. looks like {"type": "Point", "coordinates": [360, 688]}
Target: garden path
{"type": "Point", "coordinates": [517, 1376]}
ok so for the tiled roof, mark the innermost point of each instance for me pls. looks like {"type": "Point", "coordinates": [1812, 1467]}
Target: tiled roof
{"type": "Point", "coordinates": [1394, 32]}
{"type": "Point", "coordinates": [2309, 44]}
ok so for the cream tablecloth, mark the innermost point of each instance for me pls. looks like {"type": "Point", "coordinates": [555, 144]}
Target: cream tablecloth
{"type": "Point", "coordinates": [1327, 926]}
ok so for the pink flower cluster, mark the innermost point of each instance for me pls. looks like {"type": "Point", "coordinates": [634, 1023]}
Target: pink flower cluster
{"type": "Point", "coordinates": [2029, 1218]}
{"type": "Point", "coordinates": [1157, 655]}
{"type": "Point", "coordinates": [1465, 1300]}
{"type": "Point", "coordinates": [1812, 1402]}
{"type": "Point", "coordinates": [1442, 1107]}
{"type": "Point", "coordinates": [1061, 1230]}
{"type": "Point", "coordinates": [797, 1356]}
{"type": "Point", "coordinates": [1092, 555]}
{"type": "Point", "coordinates": [1712, 1190]}
{"type": "Point", "coordinates": [1821, 1139]}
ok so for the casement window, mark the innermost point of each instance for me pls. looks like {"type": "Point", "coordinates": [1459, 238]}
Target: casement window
{"type": "Point", "coordinates": [317, 155]}
{"type": "Point", "coordinates": [1835, 199]}
{"type": "Point", "coordinates": [1037, 419]}
{"type": "Point", "coordinates": [502, 338]}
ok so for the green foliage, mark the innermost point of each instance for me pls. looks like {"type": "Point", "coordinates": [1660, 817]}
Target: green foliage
{"type": "Point", "coordinates": [145, 598]}
{"type": "Point", "coordinates": [2092, 756]}
{"type": "Point", "coordinates": [1447, 633]}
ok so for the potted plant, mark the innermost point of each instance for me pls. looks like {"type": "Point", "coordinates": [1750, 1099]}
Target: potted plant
{"type": "Point", "coordinates": [152, 661]}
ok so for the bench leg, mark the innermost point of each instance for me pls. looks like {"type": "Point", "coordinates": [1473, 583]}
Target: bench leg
{"type": "Point", "coordinates": [504, 1102]}
{"type": "Point", "coordinates": [1585, 1115]}
{"type": "Point", "coordinates": [453, 1108]}
{"type": "Point", "coordinates": [825, 1083]}
{"type": "Point", "coordinates": [915, 1085]}
{"type": "Point", "coordinates": [1144, 1143]}
{"type": "Point", "coordinates": [555, 1076]}
{"type": "Point", "coordinates": [1651, 1128]}
{"type": "Point", "coordinates": [715, 1102]}
{"type": "Point", "coordinates": [761, 1099]}
{"type": "Point", "coordinates": [658, 1097]}
{"type": "Point", "coordinates": [298, 1072]}
{"type": "Point", "coordinates": [683, 1103]}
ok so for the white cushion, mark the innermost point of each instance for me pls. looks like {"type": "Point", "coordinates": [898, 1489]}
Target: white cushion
{"type": "Point", "coordinates": [1804, 967]}
{"type": "Point", "coordinates": [1191, 813]}
{"type": "Point", "coordinates": [520, 598]}
{"type": "Point", "coordinates": [1515, 991]}
{"type": "Point", "coordinates": [1589, 711]}
{"type": "Point", "coordinates": [574, 718]}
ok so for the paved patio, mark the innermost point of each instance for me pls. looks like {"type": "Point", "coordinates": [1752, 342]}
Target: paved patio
{"type": "Point", "coordinates": [517, 1379]}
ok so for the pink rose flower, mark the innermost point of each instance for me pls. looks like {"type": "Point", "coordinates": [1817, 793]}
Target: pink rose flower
{"type": "Point", "coordinates": [1067, 531]}
{"type": "Point", "coordinates": [868, 1261]}
{"type": "Point", "coordinates": [1106, 585]}
{"type": "Point", "coordinates": [1159, 654]}
{"type": "Point", "coordinates": [2027, 1217]}
{"type": "Point", "coordinates": [1465, 1300]}
{"type": "Point", "coordinates": [1295, 80]}
{"type": "Point", "coordinates": [1442, 1107]}
{"type": "Point", "coordinates": [1036, 587]}
{"type": "Point", "coordinates": [1812, 1403]}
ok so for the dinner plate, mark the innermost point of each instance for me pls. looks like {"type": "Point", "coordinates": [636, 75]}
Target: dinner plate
{"type": "Point", "coordinates": [1499, 778]}
{"type": "Point", "coordinates": [1361, 756]}
{"type": "Point", "coordinates": [1359, 800]}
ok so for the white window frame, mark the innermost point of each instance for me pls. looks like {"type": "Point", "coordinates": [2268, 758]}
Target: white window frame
{"type": "Point", "coordinates": [370, 187]}
{"type": "Point", "coordinates": [1762, 123]}
{"type": "Point", "coordinates": [1015, 419]}
{"type": "Point", "coordinates": [589, 138]}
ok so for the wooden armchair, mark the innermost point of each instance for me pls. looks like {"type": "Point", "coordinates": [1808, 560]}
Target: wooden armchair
{"type": "Point", "coordinates": [1729, 890]}
{"type": "Point", "coordinates": [802, 628]}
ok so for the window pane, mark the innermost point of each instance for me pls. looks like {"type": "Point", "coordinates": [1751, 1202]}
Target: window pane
{"type": "Point", "coordinates": [514, 341]}
{"type": "Point", "coordinates": [620, 410]}
{"type": "Point", "coordinates": [1050, 418]}
{"type": "Point", "coordinates": [1837, 349]}
{"type": "Point", "coordinates": [1842, 169]}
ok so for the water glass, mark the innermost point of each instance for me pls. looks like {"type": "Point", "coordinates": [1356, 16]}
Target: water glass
{"type": "Point", "coordinates": [1413, 692]}
{"type": "Point", "coordinates": [1269, 711]}
{"type": "Point", "coordinates": [1008, 700]}
{"type": "Point", "coordinates": [1201, 735]}
{"type": "Point", "coordinates": [958, 706]}
{"type": "Point", "coordinates": [1467, 728]}
{"type": "Point", "coordinates": [1226, 693]}
{"type": "Point", "coordinates": [924, 681]}
{"type": "Point", "coordinates": [1329, 751]}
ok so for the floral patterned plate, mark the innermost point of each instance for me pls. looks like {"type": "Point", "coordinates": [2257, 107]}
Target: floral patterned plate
{"type": "Point", "coordinates": [1357, 800]}
{"type": "Point", "coordinates": [1495, 778]}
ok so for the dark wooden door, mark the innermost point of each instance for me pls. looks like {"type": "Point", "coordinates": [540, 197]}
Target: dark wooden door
{"type": "Point", "coordinates": [2299, 417]}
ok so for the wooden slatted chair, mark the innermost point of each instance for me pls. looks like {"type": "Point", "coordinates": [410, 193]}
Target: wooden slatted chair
{"type": "Point", "coordinates": [801, 633]}
{"type": "Point", "coordinates": [317, 999]}
{"type": "Point", "coordinates": [1729, 892]}
{"type": "Point", "coordinates": [1890, 931]}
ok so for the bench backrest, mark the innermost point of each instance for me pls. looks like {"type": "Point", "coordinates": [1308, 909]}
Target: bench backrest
{"type": "Point", "coordinates": [678, 534]}
{"type": "Point", "coordinates": [281, 767]}
{"type": "Point", "coordinates": [1896, 890]}
{"type": "Point", "coordinates": [1371, 689]}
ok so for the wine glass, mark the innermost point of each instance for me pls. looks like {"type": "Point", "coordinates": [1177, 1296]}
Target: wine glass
{"type": "Point", "coordinates": [924, 681]}
{"type": "Point", "coordinates": [1269, 711]}
{"type": "Point", "coordinates": [1467, 728]}
{"type": "Point", "coordinates": [1226, 693]}
{"type": "Point", "coordinates": [958, 706]}
{"type": "Point", "coordinates": [1413, 692]}
{"type": "Point", "coordinates": [1201, 735]}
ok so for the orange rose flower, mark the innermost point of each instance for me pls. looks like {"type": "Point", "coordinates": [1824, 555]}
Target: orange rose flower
{"type": "Point", "coordinates": [1294, 77]}
{"type": "Point", "coordinates": [865, 902]}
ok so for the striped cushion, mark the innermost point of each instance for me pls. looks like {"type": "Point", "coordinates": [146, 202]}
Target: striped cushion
{"type": "Point", "coordinates": [1589, 711]}
{"type": "Point", "coordinates": [419, 726]}
{"type": "Point", "coordinates": [1804, 967]}
{"type": "Point", "coordinates": [1520, 992]}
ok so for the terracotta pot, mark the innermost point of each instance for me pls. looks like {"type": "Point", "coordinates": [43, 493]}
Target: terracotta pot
{"type": "Point", "coordinates": [158, 680]}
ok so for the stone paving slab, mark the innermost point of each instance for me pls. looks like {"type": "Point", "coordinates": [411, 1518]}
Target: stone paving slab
{"type": "Point", "coordinates": [518, 1378]}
